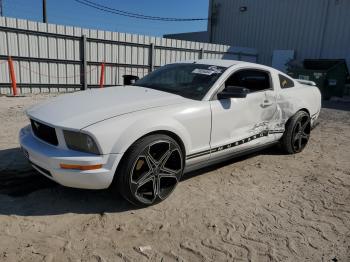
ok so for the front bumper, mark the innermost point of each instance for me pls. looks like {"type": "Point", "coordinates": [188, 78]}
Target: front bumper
{"type": "Point", "coordinates": [46, 159]}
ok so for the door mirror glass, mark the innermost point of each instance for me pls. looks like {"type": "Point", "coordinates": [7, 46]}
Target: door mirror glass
{"type": "Point", "coordinates": [233, 92]}
{"type": "Point", "coordinates": [130, 79]}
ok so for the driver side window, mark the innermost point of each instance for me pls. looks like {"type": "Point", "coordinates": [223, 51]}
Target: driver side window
{"type": "Point", "coordinates": [252, 79]}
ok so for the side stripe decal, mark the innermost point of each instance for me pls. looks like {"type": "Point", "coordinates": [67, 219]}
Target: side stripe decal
{"type": "Point", "coordinates": [233, 144]}
{"type": "Point", "coordinates": [230, 145]}
{"type": "Point", "coordinates": [276, 131]}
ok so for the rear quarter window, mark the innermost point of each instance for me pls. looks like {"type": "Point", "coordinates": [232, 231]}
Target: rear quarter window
{"type": "Point", "coordinates": [285, 82]}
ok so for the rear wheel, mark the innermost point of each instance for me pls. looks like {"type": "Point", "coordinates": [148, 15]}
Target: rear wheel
{"type": "Point", "coordinates": [297, 133]}
{"type": "Point", "coordinates": [150, 170]}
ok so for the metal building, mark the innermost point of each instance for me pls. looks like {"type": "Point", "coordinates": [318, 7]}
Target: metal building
{"type": "Point", "coordinates": [283, 29]}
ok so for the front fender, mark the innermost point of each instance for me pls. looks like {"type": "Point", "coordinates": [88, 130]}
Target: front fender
{"type": "Point", "coordinates": [141, 128]}
{"type": "Point", "coordinates": [116, 135]}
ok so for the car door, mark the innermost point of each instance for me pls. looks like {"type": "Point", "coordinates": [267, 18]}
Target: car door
{"type": "Point", "coordinates": [244, 123]}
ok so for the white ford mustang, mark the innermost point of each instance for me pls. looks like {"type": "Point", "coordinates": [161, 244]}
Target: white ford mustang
{"type": "Point", "coordinates": [183, 116]}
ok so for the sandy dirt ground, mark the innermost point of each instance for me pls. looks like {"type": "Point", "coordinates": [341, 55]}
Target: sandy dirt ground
{"type": "Point", "coordinates": [263, 207]}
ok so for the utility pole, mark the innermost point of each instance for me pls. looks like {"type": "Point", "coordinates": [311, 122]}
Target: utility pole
{"type": "Point", "coordinates": [213, 14]}
{"type": "Point", "coordinates": [1, 8]}
{"type": "Point", "coordinates": [44, 12]}
{"type": "Point", "coordinates": [210, 22]}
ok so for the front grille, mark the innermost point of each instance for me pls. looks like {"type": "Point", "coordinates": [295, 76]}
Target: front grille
{"type": "Point", "coordinates": [44, 132]}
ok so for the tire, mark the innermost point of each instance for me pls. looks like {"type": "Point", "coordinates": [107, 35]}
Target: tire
{"type": "Point", "coordinates": [297, 133]}
{"type": "Point", "coordinates": [150, 170]}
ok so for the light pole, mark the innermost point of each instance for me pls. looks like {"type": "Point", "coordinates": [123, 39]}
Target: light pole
{"type": "Point", "coordinates": [44, 12]}
{"type": "Point", "coordinates": [1, 8]}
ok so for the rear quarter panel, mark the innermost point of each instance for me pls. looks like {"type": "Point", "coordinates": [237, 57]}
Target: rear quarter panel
{"type": "Point", "coordinates": [291, 100]}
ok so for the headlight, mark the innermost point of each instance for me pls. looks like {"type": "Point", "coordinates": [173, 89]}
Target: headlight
{"type": "Point", "coordinates": [80, 142]}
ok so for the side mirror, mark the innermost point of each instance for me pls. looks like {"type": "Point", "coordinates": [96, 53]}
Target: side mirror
{"type": "Point", "coordinates": [130, 79]}
{"type": "Point", "coordinates": [233, 92]}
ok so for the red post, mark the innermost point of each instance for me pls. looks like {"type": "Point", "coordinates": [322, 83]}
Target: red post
{"type": "Point", "coordinates": [13, 76]}
{"type": "Point", "coordinates": [102, 76]}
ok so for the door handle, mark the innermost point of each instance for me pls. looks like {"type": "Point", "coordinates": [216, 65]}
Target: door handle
{"type": "Point", "coordinates": [266, 103]}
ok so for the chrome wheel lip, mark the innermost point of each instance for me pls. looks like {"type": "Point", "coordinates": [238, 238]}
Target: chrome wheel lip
{"type": "Point", "coordinates": [159, 168]}
{"type": "Point", "coordinates": [301, 133]}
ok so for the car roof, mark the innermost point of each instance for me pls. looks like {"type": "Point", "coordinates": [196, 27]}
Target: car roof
{"type": "Point", "coordinates": [215, 62]}
{"type": "Point", "coordinates": [224, 63]}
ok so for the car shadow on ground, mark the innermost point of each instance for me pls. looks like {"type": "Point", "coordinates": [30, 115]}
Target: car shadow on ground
{"type": "Point", "coordinates": [25, 192]}
{"type": "Point", "coordinates": [272, 151]}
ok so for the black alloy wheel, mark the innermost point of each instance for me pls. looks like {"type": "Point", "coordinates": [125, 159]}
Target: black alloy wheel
{"type": "Point", "coordinates": [297, 133]}
{"type": "Point", "coordinates": [301, 134]}
{"type": "Point", "coordinates": [151, 170]}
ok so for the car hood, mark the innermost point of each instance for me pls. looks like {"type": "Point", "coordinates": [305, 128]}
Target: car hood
{"type": "Point", "coordinates": [81, 109]}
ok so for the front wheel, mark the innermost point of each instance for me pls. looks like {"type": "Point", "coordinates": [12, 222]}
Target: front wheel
{"type": "Point", "coordinates": [150, 170]}
{"type": "Point", "coordinates": [297, 133]}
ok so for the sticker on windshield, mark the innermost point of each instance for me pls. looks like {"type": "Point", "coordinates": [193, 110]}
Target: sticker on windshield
{"type": "Point", "coordinates": [211, 70]}
{"type": "Point", "coordinates": [215, 69]}
{"type": "Point", "coordinates": [203, 71]}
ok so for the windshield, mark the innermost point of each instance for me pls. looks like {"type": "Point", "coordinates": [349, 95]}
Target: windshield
{"type": "Point", "coordinates": [188, 80]}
